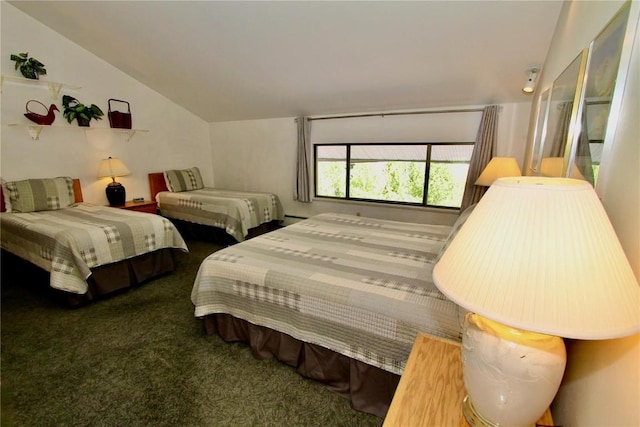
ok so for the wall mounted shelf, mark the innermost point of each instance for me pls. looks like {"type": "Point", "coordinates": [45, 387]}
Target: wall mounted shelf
{"type": "Point", "coordinates": [54, 90]}
{"type": "Point", "coordinates": [54, 87]}
{"type": "Point", "coordinates": [34, 130]}
{"type": "Point", "coordinates": [127, 134]}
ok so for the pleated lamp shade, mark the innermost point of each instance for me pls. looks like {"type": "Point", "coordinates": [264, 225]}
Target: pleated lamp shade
{"type": "Point", "coordinates": [552, 166]}
{"type": "Point", "coordinates": [112, 168]}
{"type": "Point", "coordinates": [540, 254]}
{"type": "Point", "coordinates": [498, 167]}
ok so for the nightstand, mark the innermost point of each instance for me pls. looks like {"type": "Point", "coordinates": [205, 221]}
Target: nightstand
{"type": "Point", "coordinates": [431, 388]}
{"type": "Point", "coordinates": [147, 206]}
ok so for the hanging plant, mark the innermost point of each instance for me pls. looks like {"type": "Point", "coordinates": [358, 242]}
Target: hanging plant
{"type": "Point", "coordinates": [30, 68]}
{"type": "Point", "coordinates": [73, 109]}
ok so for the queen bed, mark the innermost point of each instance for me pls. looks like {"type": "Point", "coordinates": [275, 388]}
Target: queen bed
{"type": "Point", "coordinates": [88, 250]}
{"type": "Point", "coordinates": [181, 195]}
{"type": "Point", "coordinates": [339, 297]}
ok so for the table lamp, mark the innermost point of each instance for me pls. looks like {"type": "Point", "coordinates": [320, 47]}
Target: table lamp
{"type": "Point", "coordinates": [112, 167]}
{"type": "Point", "coordinates": [552, 166]}
{"type": "Point", "coordinates": [537, 260]}
{"type": "Point", "coordinates": [498, 167]}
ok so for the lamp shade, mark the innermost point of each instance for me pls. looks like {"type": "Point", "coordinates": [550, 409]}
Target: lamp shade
{"type": "Point", "coordinates": [112, 168]}
{"type": "Point", "coordinates": [540, 254]}
{"type": "Point", "coordinates": [498, 167]}
{"type": "Point", "coordinates": [552, 166]}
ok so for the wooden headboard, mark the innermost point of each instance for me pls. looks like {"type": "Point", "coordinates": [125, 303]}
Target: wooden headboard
{"type": "Point", "coordinates": [157, 184]}
{"type": "Point", "coordinates": [77, 190]}
{"type": "Point", "coordinates": [77, 193]}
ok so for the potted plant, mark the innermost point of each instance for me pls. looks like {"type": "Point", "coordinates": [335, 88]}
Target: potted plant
{"type": "Point", "coordinates": [73, 109]}
{"type": "Point", "coordinates": [31, 68]}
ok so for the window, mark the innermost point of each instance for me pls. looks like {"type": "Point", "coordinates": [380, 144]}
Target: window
{"type": "Point", "coordinates": [424, 174]}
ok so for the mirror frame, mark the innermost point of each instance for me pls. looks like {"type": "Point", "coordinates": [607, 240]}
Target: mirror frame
{"type": "Point", "coordinates": [540, 130]}
{"type": "Point", "coordinates": [568, 85]}
{"type": "Point", "coordinates": [543, 134]}
{"type": "Point", "coordinates": [613, 43]}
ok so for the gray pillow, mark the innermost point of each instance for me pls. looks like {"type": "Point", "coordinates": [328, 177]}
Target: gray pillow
{"type": "Point", "coordinates": [32, 195]}
{"type": "Point", "coordinates": [183, 179]}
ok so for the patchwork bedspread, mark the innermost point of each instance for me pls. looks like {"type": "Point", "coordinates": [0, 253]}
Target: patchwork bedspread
{"type": "Point", "coordinates": [69, 242]}
{"type": "Point", "coordinates": [361, 287]}
{"type": "Point", "coordinates": [234, 211]}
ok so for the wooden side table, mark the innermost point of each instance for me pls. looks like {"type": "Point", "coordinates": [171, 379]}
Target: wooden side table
{"type": "Point", "coordinates": [148, 206]}
{"type": "Point", "coordinates": [431, 388]}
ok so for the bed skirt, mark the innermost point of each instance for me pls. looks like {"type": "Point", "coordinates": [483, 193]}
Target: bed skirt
{"type": "Point", "coordinates": [370, 389]}
{"type": "Point", "coordinates": [219, 235]}
{"type": "Point", "coordinates": [104, 279]}
{"type": "Point", "coordinates": [114, 277]}
{"type": "Point", "coordinates": [264, 228]}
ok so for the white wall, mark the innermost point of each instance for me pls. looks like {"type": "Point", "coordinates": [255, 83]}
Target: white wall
{"type": "Point", "coordinates": [260, 155]}
{"type": "Point", "coordinates": [602, 381]}
{"type": "Point", "coordinates": [176, 138]}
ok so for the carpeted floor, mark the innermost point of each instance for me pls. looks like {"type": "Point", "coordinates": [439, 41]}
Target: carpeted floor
{"type": "Point", "coordinates": [140, 358]}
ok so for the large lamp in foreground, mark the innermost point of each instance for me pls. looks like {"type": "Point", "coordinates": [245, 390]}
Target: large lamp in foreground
{"type": "Point", "coordinates": [112, 168]}
{"type": "Point", "coordinates": [536, 260]}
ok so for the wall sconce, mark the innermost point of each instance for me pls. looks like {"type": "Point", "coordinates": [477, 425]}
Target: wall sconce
{"type": "Point", "coordinates": [531, 83]}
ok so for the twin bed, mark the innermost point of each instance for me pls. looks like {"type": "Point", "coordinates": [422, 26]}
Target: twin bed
{"type": "Point", "coordinates": [88, 250]}
{"type": "Point", "coordinates": [181, 195]}
{"type": "Point", "coordinates": [92, 250]}
{"type": "Point", "coordinates": [339, 297]}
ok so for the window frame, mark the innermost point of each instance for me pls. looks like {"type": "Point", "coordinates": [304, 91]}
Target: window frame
{"type": "Point", "coordinates": [348, 197]}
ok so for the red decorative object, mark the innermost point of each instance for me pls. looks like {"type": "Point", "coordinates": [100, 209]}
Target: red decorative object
{"type": "Point", "coordinates": [39, 118]}
{"type": "Point", "coordinates": [119, 119]}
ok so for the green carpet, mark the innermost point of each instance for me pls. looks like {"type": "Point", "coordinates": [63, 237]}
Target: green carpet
{"type": "Point", "coordinates": [140, 358]}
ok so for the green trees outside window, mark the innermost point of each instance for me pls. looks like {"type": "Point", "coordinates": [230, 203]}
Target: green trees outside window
{"type": "Point", "coordinates": [416, 174]}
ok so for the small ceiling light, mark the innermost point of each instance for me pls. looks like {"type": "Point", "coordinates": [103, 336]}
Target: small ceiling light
{"type": "Point", "coordinates": [531, 83]}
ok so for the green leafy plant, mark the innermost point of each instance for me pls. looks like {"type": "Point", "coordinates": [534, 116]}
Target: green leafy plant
{"type": "Point", "coordinates": [31, 68]}
{"type": "Point", "coordinates": [73, 109]}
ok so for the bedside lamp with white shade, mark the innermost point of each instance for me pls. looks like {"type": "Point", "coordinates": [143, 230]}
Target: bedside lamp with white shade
{"type": "Point", "coordinates": [112, 168]}
{"type": "Point", "coordinates": [537, 260]}
{"type": "Point", "coordinates": [552, 166]}
{"type": "Point", "coordinates": [498, 167]}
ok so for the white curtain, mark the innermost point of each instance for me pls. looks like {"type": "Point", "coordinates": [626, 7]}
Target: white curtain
{"type": "Point", "coordinates": [303, 167]}
{"type": "Point", "coordinates": [483, 151]}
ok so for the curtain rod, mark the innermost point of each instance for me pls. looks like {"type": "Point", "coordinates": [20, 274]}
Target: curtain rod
{"type": "Point", "coordinates": [403, 113]}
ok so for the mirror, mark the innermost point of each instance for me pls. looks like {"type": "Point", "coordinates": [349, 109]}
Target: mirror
{"type": "Point", "coordinates": [540, 131]}
{"type": "Point", "coordinates": [605, 52]}
{"type": "Point", "coordinates": [571, 137]}
{"type": "Point", "coordinates": [563, 109]}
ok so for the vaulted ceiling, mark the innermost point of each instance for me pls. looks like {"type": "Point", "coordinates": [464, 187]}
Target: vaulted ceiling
{"type": "Point", "coordinates": [238, 60]}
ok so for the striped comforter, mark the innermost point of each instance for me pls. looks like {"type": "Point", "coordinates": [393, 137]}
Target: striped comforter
{"type": "Point", "coordinates": [69, 242]}
{"type": "Point", "coordinates": [361, 287]}
{"type": "Point", "coordinates": [234, 211]}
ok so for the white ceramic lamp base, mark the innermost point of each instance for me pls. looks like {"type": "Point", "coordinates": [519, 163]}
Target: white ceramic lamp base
{"type": "Point", "coordinates": [511, 375]}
